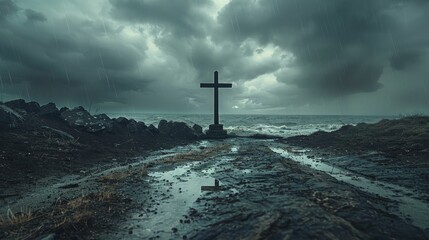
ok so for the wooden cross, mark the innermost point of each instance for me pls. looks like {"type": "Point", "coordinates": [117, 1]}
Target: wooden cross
{"type": "Point", "coordinates": [216, 85]}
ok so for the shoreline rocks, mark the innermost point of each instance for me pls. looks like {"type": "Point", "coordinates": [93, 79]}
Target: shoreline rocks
{"type": "Point", "coordinates": [12, 115]}
{"type": "Point", "coordinates": [47, 141]}
{"type": "Point", "coordinates": [9, 118]}
{"type": "Point", "coordinates": [180, 130]}
{"type": "Point", "coordinates": [408, 136]}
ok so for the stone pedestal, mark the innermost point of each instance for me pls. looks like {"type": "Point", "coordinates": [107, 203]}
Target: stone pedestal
{"type": "Point", "coordinates": [216, 131]}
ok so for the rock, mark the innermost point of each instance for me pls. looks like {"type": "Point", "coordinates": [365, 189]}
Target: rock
{"type": "Point", "coordinates": [183, 131]}
{"type": "Point", "coordinates": [121, 121]}
{"type": "Point", "coordinates": [165, 127]}
{"type": "Point", "coordinates": [197, 129]}
{"type": "Point", "coordinates": [32, 107]}
{"type": "Point", "coordinates": [59, 133]}
{"type": "Point", "coordinates": [102, 117]}
{"type": "Point", "coordinates": [21, 106]}
{"type": "Point", "coordinates": [9, 118]}
{"type": "Point", "coordinates": [79, 117]}
{"type": "Point", "coordinates": [63, 109]}
{"type": "Point", "coordinates": [49, 110]}
{"type": "Point", "coordinates": [146, 134]}
{"type": "Point", "coordinates": [132, 126]}
{"type": "Point", "coordinates": [153, 129]}
{"type": "Point", "coordinates": [17, 105]}
{"type": "Point", "coordinates": [178, 130]}
{"type": "Point", "coordinates": [141, 126]}
{"type": "Point", "coordinates": [101, 122]}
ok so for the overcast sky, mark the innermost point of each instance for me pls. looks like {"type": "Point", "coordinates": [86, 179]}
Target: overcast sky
{"type": "Point", "coordinates": [282, 56]}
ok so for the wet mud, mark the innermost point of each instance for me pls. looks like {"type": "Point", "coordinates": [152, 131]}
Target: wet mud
{"type": "Point", "coordinates": [265, 192]}
{"type": "Point", "coordinates": [239, 188]}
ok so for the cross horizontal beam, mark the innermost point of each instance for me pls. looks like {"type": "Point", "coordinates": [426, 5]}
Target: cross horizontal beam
{"type": "Point", "coordinates": [214, 85]}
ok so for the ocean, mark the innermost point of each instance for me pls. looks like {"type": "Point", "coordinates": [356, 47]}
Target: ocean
{"type": "Point", "coordinates": [279, 125]}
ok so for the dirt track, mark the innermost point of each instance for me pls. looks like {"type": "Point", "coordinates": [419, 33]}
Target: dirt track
{"type": "Point", "coordinates": [263, 194]}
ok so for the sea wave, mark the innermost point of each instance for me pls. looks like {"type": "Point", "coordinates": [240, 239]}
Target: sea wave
{"type": "Point", "coordinates": [282, 130]}
{"type": "Point", "coordinates": [279, 125]}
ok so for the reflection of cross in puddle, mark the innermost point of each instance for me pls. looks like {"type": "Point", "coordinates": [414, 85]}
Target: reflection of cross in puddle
{"type": "Point", "coordinates": [214, 188]}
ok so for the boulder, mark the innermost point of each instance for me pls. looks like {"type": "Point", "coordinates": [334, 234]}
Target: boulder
{"type": "Point", "coordinates": [123, 122]}
{"type": "Point", "coordinates": [183, 131]}
{"type": "Point", "coordinates": [102, 117]}
{"type": "Point", "coordinates": [153, 129]}
{"type": "Point", "coordinates": [49, 110]}
{"type": "Point", "coordinates": [146, 134]}
{"type": "Point", "coordinates": [79, 117]}
{"type": "Point", "coordinates": [197, 129]}
{"type": "Point", "coordinates": [100, 122]}
{"type": "Point", "coordinates": [165, 127]}
{"type": "Point", "coordinates": [32, 107]}
{"type": "Point", "coordinates": [141, 126]}
{"type": "Point", "coordinates": [23, 107]}
{"type": "Point", "coordinates": [63, 109]}
{"type": "Point", "coordinates": [177, 130]}
{"type": "Point", "coordinates": [132, 126]}
{"type": "Point", "coordinates": [9, 118]}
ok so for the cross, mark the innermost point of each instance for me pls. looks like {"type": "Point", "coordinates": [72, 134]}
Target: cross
{"type": "Point", "coordinates": [216, 85]}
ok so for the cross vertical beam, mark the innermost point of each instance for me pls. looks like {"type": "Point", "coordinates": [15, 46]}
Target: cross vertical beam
{"type": "Point", "coordinates": [216, 98]}
{"type": "Point", "coordinates": [216, 85]}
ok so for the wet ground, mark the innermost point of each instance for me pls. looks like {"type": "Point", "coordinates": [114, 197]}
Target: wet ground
{"type": "Point", "coordinates": [267, 190]}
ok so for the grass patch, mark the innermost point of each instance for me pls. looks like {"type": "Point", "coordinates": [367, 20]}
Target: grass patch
{"type": "Point", "coordinates": [74, 217]}
{"type": "Point", "coordinates": [119, 176]}
{"type": "Point", "coordinates": [197, 155]}
{"type": "Point", "coordinates": [12, 218]}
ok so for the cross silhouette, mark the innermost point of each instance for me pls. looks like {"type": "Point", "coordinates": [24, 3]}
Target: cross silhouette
{"type": "Point", "coordinates": [216, 85]}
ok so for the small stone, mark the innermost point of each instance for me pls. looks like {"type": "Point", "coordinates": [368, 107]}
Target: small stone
{"type": "Point", "coordinates": [174, 230]}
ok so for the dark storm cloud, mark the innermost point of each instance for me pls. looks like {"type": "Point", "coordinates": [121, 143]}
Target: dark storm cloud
{"type": "Point", "coordinates": [7, 7]}
{"type": "Point", "coordinates": [34, 16]}
{"type": "Point", "coordinates": [404, 59]}
{"type": "Point", "coordinates": [339, 45]}
{"type": "Point", "coordinates": [152, 54]}
{"type": "Point", "coordinates": [70, 59]}
{"type": "Point", "coordinates": [183, 18]}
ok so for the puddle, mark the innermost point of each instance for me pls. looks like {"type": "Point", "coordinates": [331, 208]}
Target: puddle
{"type": "Point", "coordinates": [184, 188]}
{"type": "Point", "coordinates": [410, 208]}
{"type": "Point", "coordinates": [47, 190]}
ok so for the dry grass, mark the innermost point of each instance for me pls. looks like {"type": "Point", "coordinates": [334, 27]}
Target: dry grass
{"type": "Point", "coordinates": [18, 218]}
{"type": "Point", "coordinates": [119, 176]}
{"type": "Point", "coordinates": [197, 155]}
{"type": "Point", "coordinates": [73, 216]}
{"type": "Point", "coordinates": [114, 177]}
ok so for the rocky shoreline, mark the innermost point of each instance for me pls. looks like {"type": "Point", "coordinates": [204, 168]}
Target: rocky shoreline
{"type": "Point", "coordinates": [394, 151]}
{"type": "Point", "coordinates": [43, 141]}
{"type": "Point", "coordinates": [404, 137]}
{"type": "Point", "coordinates": [67, 174]}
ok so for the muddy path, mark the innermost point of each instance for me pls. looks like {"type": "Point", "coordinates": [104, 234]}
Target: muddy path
{"type": "Point", "coordinates": [267, 190]}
